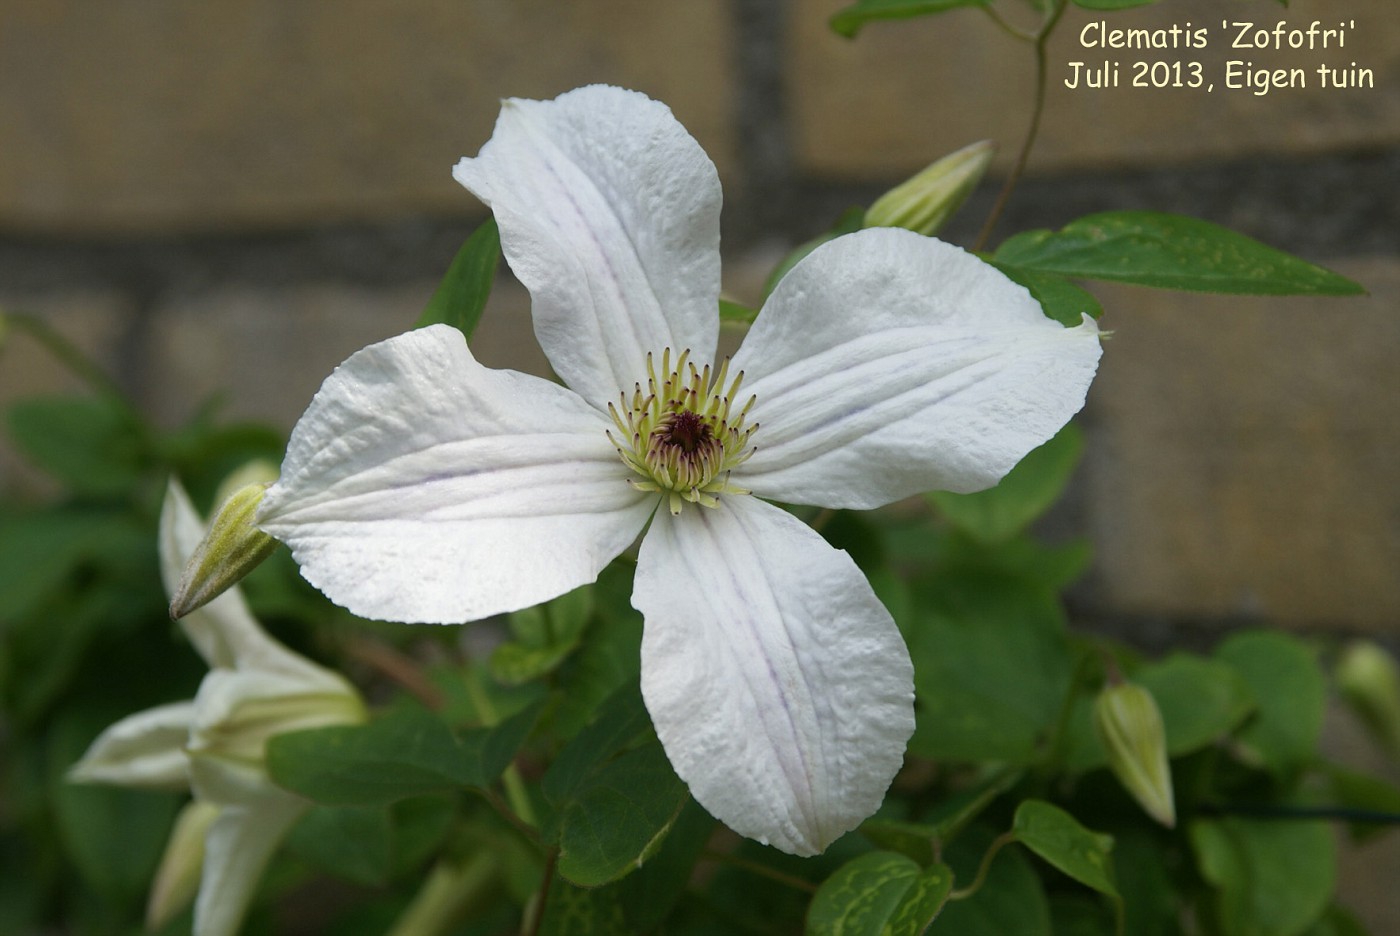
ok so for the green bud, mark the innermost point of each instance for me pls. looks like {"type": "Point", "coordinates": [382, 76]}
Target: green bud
{"type": "Point", "coordinates": [1370, 683]}
{"type": "Point", "coordinates": [1130, 726]}
{"type": "Point", "coordinates": [232, 548]}
{"type": "Point", "coordinates": [927, 201]}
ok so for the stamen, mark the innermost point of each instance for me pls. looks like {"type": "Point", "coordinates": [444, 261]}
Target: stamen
{"type": "Point", "coordinates": [682, 435]}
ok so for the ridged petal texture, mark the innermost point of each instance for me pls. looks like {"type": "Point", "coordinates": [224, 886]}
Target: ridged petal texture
{"type": "Point", "coordinates": [779, 685]}
{"type": "Point", "coordinates": [886, 364]}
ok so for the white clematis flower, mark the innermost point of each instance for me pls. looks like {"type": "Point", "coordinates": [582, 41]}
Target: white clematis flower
{"type": "Point", "coordinates": [214, 745]}
{"type": "Point", "coordinates": [422, 486]}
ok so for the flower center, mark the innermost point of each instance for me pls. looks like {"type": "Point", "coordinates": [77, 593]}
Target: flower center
{"type": "Point", "coordinates": [681, 433]}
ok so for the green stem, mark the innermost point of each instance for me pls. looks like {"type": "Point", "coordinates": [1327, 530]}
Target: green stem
{"type": "Point", "coordinates": [773, 874]}
{"type": "Point", "coordinates": [1000, 842]}
{"type": "Point", "coordinates": [538, 916]}
{"type": "Point", "coordinates": [516, 793]}
{"type": "Point", "coordinates": [1059, 736]}
{"type": "Point", "coordinates": [65, 352]}
{"type": "Point", "coordinates": [446, 896]}
{"type": "Point", "coordinates": [1052, 17]}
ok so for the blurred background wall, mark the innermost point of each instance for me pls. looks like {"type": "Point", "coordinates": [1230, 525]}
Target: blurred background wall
{"type": "Point", "coordinates": [231, 197]}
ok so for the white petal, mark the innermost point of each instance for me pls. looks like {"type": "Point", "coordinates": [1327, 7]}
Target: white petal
{"type": "Point", "coordinates": [421, 486]}
{"type": "Point", "coordinates": [778, 683]}
{"type": "Point", "coordinates": [238, 847]}
{"type": "Point", "coordinates": [887, 363]}
{"type": "Point", "coordinates": [609, 214]}
{"type": "Point", "coordinates": [236, 711]}
{"type": "Point", "coordinates": [145, 750]}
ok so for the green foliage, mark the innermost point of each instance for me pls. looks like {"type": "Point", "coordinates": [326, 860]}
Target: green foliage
{"type": "Point", "coordinates": [461, 297]}
{"type": "Point", "coordinates": [1010, 900]}
{"type": "Point", "coordinates": [544, 636]}
{"type": "Point", "coordinates": [1271, 878]}
{"type": "Point", "coordinates": [1056, 836]}
{"type": "Point", "coordinates": [408, 752]}
{"type": "Point", "coordinates": [879, 894]}
{"type": "Point", "coordinates": [991, 667]}
{"type": "Point", "coordinates": [1061, 300]}
{"type": "Point", "coordinates": [1150, 248]}
{"type": "Point", "coordinates": [849, 20]}
{"type": "Point", "coordinates": [1027, 491]}
{"type": "Point", "coordinates": [1290, 692]}
{"type": "Point", "coordinates": [532, 788]}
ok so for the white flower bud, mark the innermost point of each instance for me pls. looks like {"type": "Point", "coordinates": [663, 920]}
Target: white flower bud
{"type": "Point", "coordinates": [1130, 726]}
{"type": "Point", "coordinates": [232, 548]}
{"type": "Point", "coordinates": [926, 202]}
{"type": "Point", "coordinates": [1370, 682]}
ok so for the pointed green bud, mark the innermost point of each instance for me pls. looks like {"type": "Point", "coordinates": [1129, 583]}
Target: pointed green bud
{"type": "Point", "coordinates": [1369, 680]}
{"type": "Point", "coordinates": [927, 201]}
{"type": "Point", "coordinates": [177, 878]}
{"type": "Point", "coordinates": [1130, 726]}
{"type": "Point", "coordinates": [232, 548]}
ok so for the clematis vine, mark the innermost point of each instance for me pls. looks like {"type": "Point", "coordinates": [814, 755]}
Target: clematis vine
{"type": "Point", "coordinates": [213, 745]}
{"type": "Point", "coordinates": [421, 486]}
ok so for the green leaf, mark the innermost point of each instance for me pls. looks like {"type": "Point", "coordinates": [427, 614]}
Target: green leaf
{"type": "Point", "coordinates": [1272, 878]}
{"type": "Point", "coordinates": [848, 21]}
{"type": "Point", "coordinates": [649, 894]}
{"type": "Point", "coordinates": [461, 297]}
{"type": "Point", "coordinates": [1369, 796]}
{"type": "Point", "coordinates": [1283, 675]}
{"type": "Point", "coordinates": [352, 842]}
{"type": "Point", "coordinates": [991, 667]}
{"type": "Point", "coordinates": [730, 311]}
{"type": "Point", "coordinates": [408, 752]}
{"type": "Point", "coordinates": [1060, 299]}
{"type": "Point", "coordinates": [615, 799]}
{"type": "Point", "coordinates": [1027, 491]}
{"type": "Point", "coordinates": [545, 635]}
{"type": "Point", "coordinates": [420, 823]}
{"type": "Point", "coordinates": [1200, 700]}
{"type": "Point", "coordinates": [619, 722]}
{"type": "Point", "coordinates": [1142, 860]}
{"type": "Point", "coordinates": [851, 220]}
{"type": "Point", "coordinates": [618, 817]}
{"type": "Point", "coordinates": [1056, 836]}
{"type": "Point", "coordinates": [1337, 921]}
{"type": "Point", "coordinates": [1172, 252]}
{"type": "Point", "coordinates": [92, 445]}
{"type": "Point", "coordinates": [113, 836]}
{"type": "Point", "coordinates": [640, 902]}
{"type": "Point", "coordinates": [581, 911]}
{"type": "Point", "coordinates": [1079, 914]}
{"type": "Point", "coordinates": [879, 894]}
{"type": "Point", "coordinates": [40, 549]}
{"type": "Point", "coordinates": [1011, 900]}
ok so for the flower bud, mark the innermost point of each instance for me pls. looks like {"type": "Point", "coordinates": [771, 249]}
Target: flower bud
{"type": "Point", "coordinates": [232, 548]}
{"type": "Point", "coordinates": [177, 878]}
{"type": "Point", "coordinates": [927, 201]}
{"type": "Point", "coordinates": [1130, 726]}
{"type": "Point", "coordinates": [1370, 682]}
{"type": "Point", "coordinates": [237, 711]}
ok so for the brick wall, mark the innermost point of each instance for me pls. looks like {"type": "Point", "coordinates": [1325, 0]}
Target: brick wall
{"type": "Point", "coordinates": [236, 196]}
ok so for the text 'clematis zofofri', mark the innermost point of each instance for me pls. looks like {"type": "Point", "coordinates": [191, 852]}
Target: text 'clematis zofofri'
{"type": "Point", "coordinates": [422, 486]}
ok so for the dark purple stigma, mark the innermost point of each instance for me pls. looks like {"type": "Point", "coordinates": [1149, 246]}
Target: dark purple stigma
{"type": "Point", "coordinates": [688, 431]}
